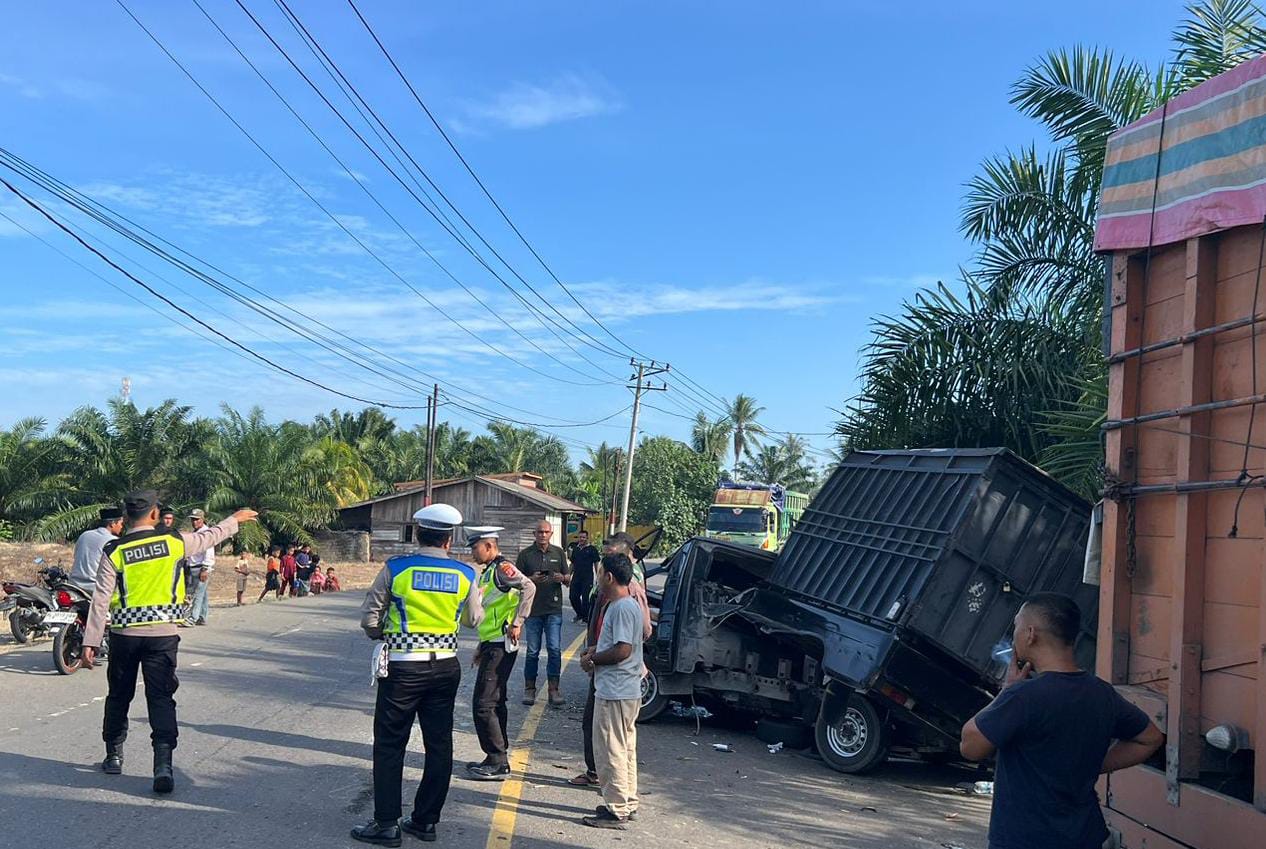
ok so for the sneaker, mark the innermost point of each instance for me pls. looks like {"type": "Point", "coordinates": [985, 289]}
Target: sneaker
{"type": "Point", "coordinates": [605, 819]}
{"type": "Point", "coordinates": [201, 622]}
{"type": "Point", "coordinates": [488, 772]}
{"type": "Point", "coordinates": [184, 623]}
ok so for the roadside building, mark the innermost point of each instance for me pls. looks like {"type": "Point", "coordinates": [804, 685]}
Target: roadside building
{"type": "Point", "coordinates": [515, 501]}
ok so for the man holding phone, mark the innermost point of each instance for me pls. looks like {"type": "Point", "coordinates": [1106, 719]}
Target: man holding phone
{"type": "Point", "coordinates": [1054, 728]}
{"type": "Point", "coordinates": [546, 564]}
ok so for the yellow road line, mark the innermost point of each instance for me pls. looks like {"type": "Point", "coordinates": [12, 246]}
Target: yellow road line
{"type": "Point", "coordinates": [507, 810]}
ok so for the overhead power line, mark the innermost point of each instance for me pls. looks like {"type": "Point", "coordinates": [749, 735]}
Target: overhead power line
{"type": "Point", "coordinates": [68, 231]}
{"type": "Point", "coordinates": [325, 210]}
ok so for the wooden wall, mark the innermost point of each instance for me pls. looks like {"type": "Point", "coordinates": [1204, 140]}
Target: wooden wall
{"type": "Point", "coordinates": [1186, 620]}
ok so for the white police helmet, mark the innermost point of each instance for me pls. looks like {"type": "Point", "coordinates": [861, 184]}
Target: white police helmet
{"type": "Point", "coordinates": [438, 517]}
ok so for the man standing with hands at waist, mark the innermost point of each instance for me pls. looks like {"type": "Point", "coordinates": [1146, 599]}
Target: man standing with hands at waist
{"type": "Point", "coordinates": [546, 565]}
{"type": "Point", "coordinates": [139, 589]}
{"type": "Point", "coordinates": [506, 595]}
{"type": "Point", "coordinates": [416, 605]}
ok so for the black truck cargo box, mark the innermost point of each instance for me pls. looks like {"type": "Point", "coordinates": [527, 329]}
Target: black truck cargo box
{"type": "Point", "coordinates": [942, 543]}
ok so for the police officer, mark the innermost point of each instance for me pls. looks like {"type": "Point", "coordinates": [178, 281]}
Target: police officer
{"type": "Point", "coordinates": [139, 589]}
{"type": "Point", "coordinates": [506, 594]}
{"type": "Point", "coordinates": [415, 606]}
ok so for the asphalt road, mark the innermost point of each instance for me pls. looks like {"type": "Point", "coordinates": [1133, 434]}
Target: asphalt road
{"type": "Point", "coordinates": [275, 713]}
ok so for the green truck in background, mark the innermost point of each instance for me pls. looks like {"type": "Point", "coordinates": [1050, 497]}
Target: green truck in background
{"type": "Point", "coordinates": [756, 514]}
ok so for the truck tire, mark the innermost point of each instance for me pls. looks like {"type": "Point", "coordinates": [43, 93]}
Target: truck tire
{"type": "Point", "coordinates": [654, 702]}
{"type": "Point", "coordinates": [851, 735]}
{"type": "Point", "coordinates": [792, 733]}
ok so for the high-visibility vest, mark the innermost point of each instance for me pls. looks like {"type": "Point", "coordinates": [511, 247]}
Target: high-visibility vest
{"type": "Point", "coordinates": [148, 586]}
{"type": "Point", "coordinates": [427, 596]}
{"type": "Point", "coordinates": [499, 605]}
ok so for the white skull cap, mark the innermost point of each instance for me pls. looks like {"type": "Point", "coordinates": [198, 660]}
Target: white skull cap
{"type": "Point", "coordinates": [438, 517]}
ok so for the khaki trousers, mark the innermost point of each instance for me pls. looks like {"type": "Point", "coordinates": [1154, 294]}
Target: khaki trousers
{"type": "Point", "coordinates": [615, 752]}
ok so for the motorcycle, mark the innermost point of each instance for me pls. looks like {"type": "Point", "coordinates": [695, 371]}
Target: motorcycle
{"type": "Point", "coordinates": [68, 623]}
{"type": "Point", "coordinates": [27, 604]}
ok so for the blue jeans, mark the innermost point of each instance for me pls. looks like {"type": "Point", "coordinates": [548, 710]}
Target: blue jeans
{"type": "Point", "coordinates": [551, 628]}
{"type": "Point", "coordinates": [201, 602]}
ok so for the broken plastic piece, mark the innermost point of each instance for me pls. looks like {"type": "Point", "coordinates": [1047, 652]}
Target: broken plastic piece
{"type": "Point", "coordinates": [774, 748]}
{"type": "Point", "coordinates": [723, 747]}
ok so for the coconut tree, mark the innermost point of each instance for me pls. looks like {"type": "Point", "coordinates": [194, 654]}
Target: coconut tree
{"type": "Point", "coordinates": [110, 453]}
{"type": "Point", "coordinates": [958, 370]}
{"type": "Point", "coordinates": [742, 416]}
{"type": "Point", "coordinates": [276, 470]}
{"type": "Point", "coordinates": [32, 481]}
{"type": "Point", "coordinates": [711, 437]}
{"type": "Point", "coordinates": [781, 462]}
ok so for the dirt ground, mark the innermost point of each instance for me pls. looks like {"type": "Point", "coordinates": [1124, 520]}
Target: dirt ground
{"type": "Point", "coordinates": [17, 563]}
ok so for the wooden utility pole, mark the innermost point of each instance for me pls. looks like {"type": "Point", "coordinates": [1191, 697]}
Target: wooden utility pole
{"type": "Point", "coordinates": [432, 424]}
{"type": "Point", "coordinates": [644, 371]}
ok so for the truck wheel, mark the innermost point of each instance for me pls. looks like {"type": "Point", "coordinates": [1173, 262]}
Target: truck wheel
{"type": "Point", "coordinates": [793, 734]}
{"type": "Point", "coordinates": [851, 735]}
{"type": "Point", "coordinates": [654, 702]}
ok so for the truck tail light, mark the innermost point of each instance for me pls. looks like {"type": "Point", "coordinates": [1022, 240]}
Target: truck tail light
{"type": "Point", "coordinates": [899, 696]}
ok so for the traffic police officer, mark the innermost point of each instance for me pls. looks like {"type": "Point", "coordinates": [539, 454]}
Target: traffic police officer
{"type": "Point", "coordinates": [140, 592]}
{"type": "Point", "coordinates": [506, 594]}
{"type": "Point", "coordinates": [415, 605]}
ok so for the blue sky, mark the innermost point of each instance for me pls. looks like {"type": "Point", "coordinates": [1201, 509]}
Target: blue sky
{"type": "Point", "coordinates": [734, 188]}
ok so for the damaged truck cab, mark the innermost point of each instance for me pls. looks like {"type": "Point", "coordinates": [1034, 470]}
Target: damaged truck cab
{"type": "Point", "coordinates": [875, 627]}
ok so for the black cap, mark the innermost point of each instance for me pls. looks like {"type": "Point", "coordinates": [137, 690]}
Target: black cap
{"type": "Point", "coordinates": [164, 510]}
{"type": "Point", "coordinates": [141, 501]}
{"type": "Point", "coordinates": [111, 514]}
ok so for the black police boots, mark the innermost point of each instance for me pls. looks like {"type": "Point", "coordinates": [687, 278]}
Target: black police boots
{"type": "Point", "coordinates": [378, 833]}
{"type": "Point", "coordinates": [424, 832]}
{"type": "Point", "coordinates": [113, 763]}
{"type": "Point", "coordinates": [164, 780]}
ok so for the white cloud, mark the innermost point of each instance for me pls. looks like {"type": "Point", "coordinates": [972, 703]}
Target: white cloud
{"type": "Point", "coordinates": [20, 87]}
{"type": "Point", "coordinates": [613, 300]}
{"type": "Point", "coordinates": [525, 106]}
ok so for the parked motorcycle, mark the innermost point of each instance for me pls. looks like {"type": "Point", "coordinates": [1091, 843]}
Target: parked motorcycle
{"type": "Point", "coordinates": [68, 623]}
{"type": "Point", "coordinates": [27, 604]}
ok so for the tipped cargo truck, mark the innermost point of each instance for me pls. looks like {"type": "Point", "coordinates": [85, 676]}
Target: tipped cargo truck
{"type": "Point", "coordinates": [875, 628]}
{"type": "Point", "coordinates": [1182, 628]}
{"type": "Point", "coordinates": [757, 514]}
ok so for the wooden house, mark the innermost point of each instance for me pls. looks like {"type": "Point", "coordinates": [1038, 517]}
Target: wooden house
{"type": "Point", "coordinates": [516, 502]}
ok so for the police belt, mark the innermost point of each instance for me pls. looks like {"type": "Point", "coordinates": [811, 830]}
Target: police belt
{"type": "Point", "coordinates": [421, 642]}
{"type": "Point", "coordinates": [131, 617]}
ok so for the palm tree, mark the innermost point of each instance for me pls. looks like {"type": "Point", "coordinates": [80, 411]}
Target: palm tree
{"type": "Point", "coordinates": [782, 463]}
{"type": "Point", "coordinates": [369, 424]}
{"type": "Point", "coordinates": [31, 479]}
{"type": "Point", "coordinates": [276, 470]}
{"type": "Point", "coordinates": [109, 454]}
{"type": "Point", "coordinates": [710, 437]}
{"type": "Point", "coordinates": [962, 371]}
{"type": "Point", "coordinates": [600, 474]}
{"type": "Point", "coordinates": [745, 428]}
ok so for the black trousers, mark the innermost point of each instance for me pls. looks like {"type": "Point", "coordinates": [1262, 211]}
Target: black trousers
{"type": "Point", "coordinates": [155, 658]}
{"type": "Point", "coordinates": [580, 601]}
{"type": "Point", "coordinates": [489, 700]}
{"type": "Point", "coordinates": [422, 691]}
{"type": "Point", "coordinates": [586, 725]}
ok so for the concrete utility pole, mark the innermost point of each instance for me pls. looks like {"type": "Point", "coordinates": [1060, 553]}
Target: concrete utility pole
{"type": "Point", "coordinates": [644, 371]}
{"type": "Point", "coordinates": [432, 424]}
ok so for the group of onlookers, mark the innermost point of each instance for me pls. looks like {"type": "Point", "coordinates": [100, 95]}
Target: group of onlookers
{"type": "Point", "coordinates": [292, 571]}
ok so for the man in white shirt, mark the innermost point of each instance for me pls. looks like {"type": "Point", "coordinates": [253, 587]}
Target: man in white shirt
{"type": "Point", "coordinates": [201, 566]}
{"type": "Point", "coordinates": [88, 548]}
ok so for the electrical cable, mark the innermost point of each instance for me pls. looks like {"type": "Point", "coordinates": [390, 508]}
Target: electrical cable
{"type": "Point", "coordinates": [374, 198]}
{"type": "Point", "coordinates": [68, 231]}
{"type": "Point", "coordinates": [337, 222]}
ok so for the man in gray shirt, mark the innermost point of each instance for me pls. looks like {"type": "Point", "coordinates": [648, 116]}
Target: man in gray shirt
{"type": "Point", "coordinates": [88, 548]}
{"type": "Point", "coordinates": [616, 665]}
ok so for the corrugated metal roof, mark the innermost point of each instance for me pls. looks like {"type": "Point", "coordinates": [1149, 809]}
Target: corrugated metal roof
{"type": "Point", "coordinates": [528, 493]}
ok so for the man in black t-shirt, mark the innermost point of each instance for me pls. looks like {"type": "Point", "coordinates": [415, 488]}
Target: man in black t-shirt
{"type": "Point", "coordinates": [583, 558]}
{"type": "Point", "coordinates": [1054, 729]}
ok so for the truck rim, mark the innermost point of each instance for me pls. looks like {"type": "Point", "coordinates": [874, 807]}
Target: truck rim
{"type": "Point", "coordinates": [848, 736]}
{"type": "Point", "coordinates": [650, 688]}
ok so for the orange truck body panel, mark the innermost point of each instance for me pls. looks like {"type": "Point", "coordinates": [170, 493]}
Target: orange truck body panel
{"type": "Point", "coordinates": [1182, 621]}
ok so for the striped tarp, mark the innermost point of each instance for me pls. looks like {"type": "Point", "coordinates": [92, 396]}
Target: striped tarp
{"type": "Point", "coordinates": [1212, 172]}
